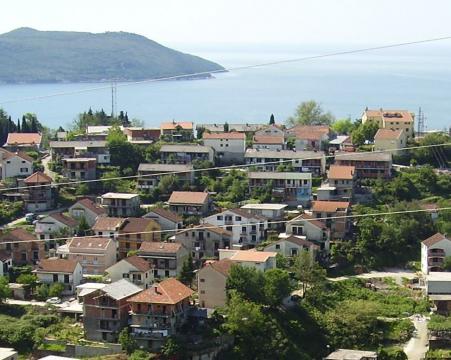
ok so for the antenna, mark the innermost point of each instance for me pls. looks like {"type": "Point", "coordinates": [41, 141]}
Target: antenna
{"type": "Point", "coordinates": [113, 98]}
{"type": "Point", "coordinates": [420, 128]}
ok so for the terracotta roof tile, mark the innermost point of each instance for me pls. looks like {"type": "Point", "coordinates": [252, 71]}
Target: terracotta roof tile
{"type": "Point", "coordinates": [55, 265]}
{"type": "Point", "coordinates": [298, 241]}
{"type": "Point", "coordinates": [309, 132]}
{"type": "Point", "coordinates": [167, 214]}
{"type": "Point", "coordinates": [311, 220]}
{"type": "Point", "coordinates": [434, 239]}
{"type": "Point", "coordinates": [251, 255]}
{"type": "Point", "coordinates": [341, 172]}
{"type": "Point", "coordinates": [329, 206]}
{"type": "Point", "coordinates": [97, 243]}
{"type": "Point", "coordinates": [223, 266]}
{"type": "Point", "coordinates": [66, 220]}
{"type": "Point", "coordinates": [188, 197]}
{"type": "Point", "coordinates": [267, 139]}
{"type": "Point", "coordinates": [169, 291]}
{"type": "Point", "coordinates": [91, 205]}
{"type": "Point", "coordinates": [104, 223]}
{"type": "Point", "coordinates": [208, 227]}
{"type": "Point", "coordinates": [159, 247]}
{"type": "Point", "coordinates": [23, 139]}
{"type": "Point", "coordinates": [132, 225]}
{"type": "Point", "coordinates": [18, 234]}
{"type": "Point", "coordinates": [387, 134]}
{"type": "Point", "coordinates": [185, 125]}
{"type": "Point", "coordinates": [229, 135]}
{"type": "Point", "coordinates": [138, 262]}
{"type": "Point", "coordinates": [38, 178]}
{"type": "Point", "coordinates": [8, 154]}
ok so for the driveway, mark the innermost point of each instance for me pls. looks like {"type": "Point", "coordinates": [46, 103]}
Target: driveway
{"type": "Point", "coordinates": [45, 162]}
{"type": "Point", "coordinates": [17, 221]}
{"type": "Point", "coordinates": [417, 346]}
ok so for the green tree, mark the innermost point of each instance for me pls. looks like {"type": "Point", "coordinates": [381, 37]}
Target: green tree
{"type": "Point", "coordinates": [272, 121]}
{"type": "Point", "coordinates": [127, 342]}
{"type": "Point", "coordinates": [168, 184]}
{"type": "Point", "coordinates": [27, 279]}
{"type": "Point", "coordinates": [226, 127]}
{"type": "Point", "coordinates": [139, 355]}
{"type": "Point", "coordinates": [5, 291]}
{"type": "Point", "coordinates": [308, 272]}
{"type": "Point", "coordinates": [83, 227]}
{"type": "Point", "coordinates": [247, 282]}
{"type": "Point", "coordinates": [56, 289]}
{"type": "Point", "coordinates": [42, 292]}
{"type": "Point", "coordinates": [24, 127]}
{"type": "Point", "coordinates": [282, 262]}
{"type": "Point", "coordinates": [186, 275]}
{"type": "Point", "coordinates": [310, 113]}
{"type": "Point", "coordinates": [171, 348]}
{"type": "Point", "coordinates": [277, 286]}
{"type": "Point", "coordinates": [447, 263]}
{"type": "Point", "coordinates": [343, 126]}
{"type": "Point", "coordinates": [364, 133]}
{"type": "Point", "coordinates": [123, 153]}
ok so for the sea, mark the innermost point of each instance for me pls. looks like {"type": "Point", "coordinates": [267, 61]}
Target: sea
{"type": "Point", "coordinates": [397, 78]}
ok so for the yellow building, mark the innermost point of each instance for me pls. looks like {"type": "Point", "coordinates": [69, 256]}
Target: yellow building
{"type": "Point", "coordinates": [386, 139]}
{"type": "Point", "coordinates": [392, 119]}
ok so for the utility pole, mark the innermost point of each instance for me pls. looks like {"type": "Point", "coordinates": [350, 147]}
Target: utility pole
{"type": "Point", "coordinates": [113, 98]}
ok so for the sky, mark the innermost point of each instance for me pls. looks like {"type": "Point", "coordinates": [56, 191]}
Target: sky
{"type": "Point", "coordinates": [208, 23]}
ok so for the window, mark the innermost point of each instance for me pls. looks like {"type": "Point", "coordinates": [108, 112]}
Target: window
{"type": "Point", "coordinates": [202, 280]}
{"type": "Point", "coordinates": [66, 279]}
{"type": "Point", "coordinates": [166, 273]}
{"type": "Point", "coordinates": [238, 218]}
{"type": "Point", "coordinates": [55, 277]}
{"type": "Point", "coordinates": [219, 217]}
{"type": "Point", "coordinates": [278, 246]}
{"type": "Point", "coordinates": [202, 291]}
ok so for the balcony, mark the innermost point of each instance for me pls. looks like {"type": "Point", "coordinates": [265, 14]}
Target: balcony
{"type": "Point", "coordinates": [435, 262]}
{"type": "Point", "coordinates": [436, 253]}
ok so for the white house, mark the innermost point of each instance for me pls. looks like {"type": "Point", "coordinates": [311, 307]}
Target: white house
{"type": "Point", "coordinates": [64, 271]}
{"type": "Point", "coordinates": [88, 209]}
{"type": "Point", "coordinates": [135, 269]}
{"type": "Point", "coordinates": [54, 224]}
{"type": "Point", "coordinates": [292, 246]}
{"type": "Point", "coordinates": [314, 230]}
{"type": "Point", "coordinates": [6, 262]}
{"type": "Point", "coordinates": [260, 260]}
{"type": "Point", "coordinates": [229, 147]}
{"type": "Point", "coordinates": [167, 219]}
{"type": "Point", "coordinates": [268, 142]}
{"type": "Point", "coordinates": [247, 229]}
{"type": "Point", "coordinates": [438, 289]}
{"type": "Point", "coordinates": [434, 250]}
{"type": "Point", "coordinates": [273, 212]}
{"type": "Point", "coordinates": [107, 226]}
{"type": "Point", "coordinates": [15, 164]}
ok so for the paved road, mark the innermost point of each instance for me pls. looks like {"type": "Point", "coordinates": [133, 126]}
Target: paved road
{"type": "Point", "coordinates": [45, 162]}
{"type": "Point", "coordinates": [417, 346]}
{"type": "Point", "coordinates": [396, 274]}
{"type": "Point", "coordinates": [17, 221]}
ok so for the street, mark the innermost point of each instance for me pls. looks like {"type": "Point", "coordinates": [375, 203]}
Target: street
{"type": "Point", "coordinates": [417, 346]}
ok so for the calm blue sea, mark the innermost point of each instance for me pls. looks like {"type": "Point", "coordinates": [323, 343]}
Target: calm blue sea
{"type": "Point", "coordinates": [345, 85]}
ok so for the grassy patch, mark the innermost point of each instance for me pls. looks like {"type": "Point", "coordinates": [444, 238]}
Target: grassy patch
{"type": "Point", "coordinates": [52, 347]}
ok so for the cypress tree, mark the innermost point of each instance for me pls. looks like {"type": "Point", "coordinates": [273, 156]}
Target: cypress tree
{"type": "Point", "coordinates": [24, 125]}
{"type": "Point", "coordinates": [34, 125]}
{"type": "Point", "coordinates": [18, 125]}
{"type": "Point", "coordinates": [272, 121]}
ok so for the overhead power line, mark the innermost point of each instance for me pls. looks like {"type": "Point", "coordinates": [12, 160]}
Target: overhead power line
{"type": "Point", "coordinates": [219, 167]}
{"type": "Point", "coordinates": [356, 216]}
{"type": "Point", "coordinates": [236, 68]}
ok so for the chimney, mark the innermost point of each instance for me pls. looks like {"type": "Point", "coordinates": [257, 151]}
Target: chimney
{"type": "Point", "coordinates": [156, 289]}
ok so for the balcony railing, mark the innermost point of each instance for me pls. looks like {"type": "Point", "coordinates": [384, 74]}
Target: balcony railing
{"type": "Point", "coordinates": [436, 252]}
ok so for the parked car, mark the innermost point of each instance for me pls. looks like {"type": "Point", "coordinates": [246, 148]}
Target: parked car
{"type": "Point", "coordinates": [54, 300]}
{"type": "Point", "coordinates": [30, 217]}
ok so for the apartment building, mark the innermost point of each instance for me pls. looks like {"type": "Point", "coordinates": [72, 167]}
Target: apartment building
{"type": "Point", "coordinates": [268, 142]}
{"type": "Point", "coordinates": [299, 161]}
{"type": "Point", "coordinates": [387, 139]}
{"type": "Point", "coordinates": [166, 259]}
{"type": "Point", "coordinates": [367, 164]}
{"type": "Point", "coordinates": [177, 131]}
{"type": "Point", "coordinates": [204, 240]}
{"type": "Point", "coordinates": [211, 283]}
{"type": "Point", "coordinates": [16, 164]}
{"type": "Point", "coordinates": [292, 246]}
{"type": "Point", "coordinates": [167, 219]}
{"type": "Point", "coordinates": [434, 250]}
{"type": "Point", "coordinates": [20, 245]}
{"type": "Point", "coordinates": [392, 119]}
{"type": "Point", "coordinates": [133, 268]}
{"type": "Point", "coordinates": [194, 203]}
{"type": "Point", "coordinates": [314, 230]}
{"type": "Point", "coordinates": [87, 209]}
{"type": "Point", "coordinates": [79, 168]}
{"type": "Point", "coordinates": [106, 310]}
{"type": "Point", "coordinates": [247, 229]}
{"type": "Point", "coordinates": [186, 154]}
{"type": "Point", "coordinates": [229, 147]}
{"type": "Point", "coordinates": [149, 175]}
{"type": "Point", "coordinates": [326, 209]}
{"type": "Point", "coordinates": [106, 226]}
{"type": "Point", "coordinates": [340, 183]}
{"type": "Point", "coordinates": [159, 312]}
{"type": "Point", "coordinates": [135, 231]}
{"type": "Point", "coordinates": [53, 225]}
{"type": "Point", "coordinates": [120, 204]}
{"type": "Point", "coordinates": [260, 260]}
{"type": "Point", "coordinates": [291, 188]}
{"type": "Point", "coordinates": [37, 193]}
{"type": "Point", "coordinates": [97, 149]}
{"type": "Point", "coordinates": [309, 137]}
{"type": "Point", "coordinates": [270, 211]}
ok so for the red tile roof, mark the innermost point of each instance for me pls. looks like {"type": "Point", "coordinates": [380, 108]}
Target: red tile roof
{"type": "Point", "coordinates": [309, 132]}
{"type": "Point", "coordinates": [55, 265]}
{"type": "Point", "coordinates": [92, 206]}
{"type": "Point", "coordinates": [188, 197]}
{"type": "Point", "coordinates": [311, 220]}
{"type": "Point", "coordinates": [18, 234]}
{"type": "Point", "coordinates": [298, 241]}
{"type": "Point", "coordinates": [104, 223]}
{"type": "Point", "coordinates": [133, 225]}
{"type": "Point", "coordinates": [169, 291]}
{"type": "Point", "coordinates": [186, 125]}
{"type": "Point", "coordinates": [91, 243]}
{"type": "Point", "coordinates": [230, 135]}
{"type": "Point", "coordinates": [329, 206]}
{"type": "Point", "coordinates": [138, 262]}
{"type": "Point", "coordinates": [23, 139]}
{"type": "Point", "coordinates": [434, 239]}
{"type": "Point", "coordinates": [267, 139]}
{"type": "Point", "coordinates": [66, 220]}
{"type": "Point", "coordinates": [8, 154]}
{"type": "Point", "coordinates": [38, 178]}
{"type": "Point", "coordinates": [167, 214]}
{"type": "Point", "coordinates": [222, 266]}
{"type": "Point", "coordinates": [341, 172]}
{"type": "Point", "coordinates": [208, 227]}
{"type": "Point", "coordinates": [387, 134]}
{"type": "Point", "coordinates": [159, 247]}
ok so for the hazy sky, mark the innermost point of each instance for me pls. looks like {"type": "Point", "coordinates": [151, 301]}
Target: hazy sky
{"type": "Point", "coordinates": [181, 22]}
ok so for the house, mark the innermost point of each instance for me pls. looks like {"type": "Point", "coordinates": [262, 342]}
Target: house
{"type": "Point", "coordinates": [314, 230]}
{"type": "Point", "coordinates": [387, 139]}
{"type": "Point", "coordinates": [105, 310]}
{"type": "Point", "coordinates": [273, 212]}
{"type": "Point", "coordinates": [247, 229]}
{"type": "Point", "coordinates": [211, 283]}
{"type": "Point", "coordinates": [149, 175]}
{"type": "Point", "coordinates": [268, 142]}
{"type": "Point", "coordinates": [133, 268]}
{"type": "Point", "coordinates": [241, 128]}
{"type": "Point", "coordinates": [107, 226]}
{"type": "Point", "coordinates": [438, 289]}
{"type": "Point", "coordinates": [37, 193]}
{"type": "Point", "coordinates": [22, 246]}
{"type": "Point", "coordinates": [23, 141]}
{"type": "Point", "coordinates": [159, 312]}
{"type": "Point", "coordinates": [341, 143]}
{"type": "Point", "coordinates": [270, 130]}
{"type": "Point", "coordinates": [309, 137]}
{"type": "Point", "coordinates": [8, 354]}
{"type": "Point", "coordinates": [120, 204]}
{"type": "Point", "coordinates": [15, 164]}
{"type": "Point", "coordinates": [166, 259]}
{"type": "Point", "coordinates": [324, 210]}
{"type": "Point", "coordinates": [177, 131]}
{"type": "Point", "coordinates": [346, 354]}
{"type": "Point", "coordinates": [186, 154]}
{"type": "Point", "coordinates": [64, 271]}
{"type": "Point", "coordinates": [168, 220]}
{"type": "Point", "coordinates": [292, 188]}
{"type": "Point", "coordinates": [6, 262]}
{"type": "Point", "coordinates": [292, 246]}
{"type": "Point", "coordinates": [434, 250]}
{"type": "Point", "coordinates": [391, 119]}
{"type": "Point", "coordinates": [97, 149]}
{"type": "Point", "coordinates": [260, 260]}
{"type": "Point", "coordinates": [135, 231]}
{"type": "Point", "coordinates": [189, 203]}
{"type": "Point", "coordinates": [340, 183]}
{"type": "Point", "coordinates": [95, 254]}
{"type": "Point", "coordinates": [229, 147]}
{"type": "Point", "coordinates": [367, 164]}
{"type": "Point", "coordinates": [53, 226]}
{"type": "Point", "coordinates": [299, 161]}
{"type": "Point", "coordinates": [204, 240]}
{"type": "Point", "coordinates": [79, 168]}
{"type": "Point", "coordinates": [88, 209]}
{"type": "Point", "coordinates": [141, 136]}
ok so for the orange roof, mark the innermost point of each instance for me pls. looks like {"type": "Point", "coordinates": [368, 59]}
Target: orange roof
{"type": "Point", "coordinates": [169, 291]}
{"type": "Point", "coordinates": [185, 125]}
{"type": "Point", "coordinates": [329, 206]}
{"type": "Point", "coordinates": [38, 178]}
{"type": "Point", "coordinates": [252, 255]}
{"type": "Point", "coordinates": [309, 132]}
{"type": "Point", "coordinates": [341, 172]}
{"type": "Point", "coordinates": [63, 219]}
{"type": "Point", "coordinates": [266, 139]}
{"type": "Point", "coordinates": [104, 223]}
{"type": "Point", "coordinates": [7, 155]}
{"type": "Point", "coordinates": [228, 135]}
{"type": "Point", "coordinates": [55, 265]}
{"type": "Point", "coordinates": [18, 234]}
{"type": "Point", "coordinates": [23, 139]}
{"type": "Point", "coordinates": [167, 214]}
{"type": "Point", "coordinates": [133, 225]}
{"type": "Point", "coordinates": [434, 239]}
{"type": "Point", "coordinates": [91, 243]}
{"type": "Point", "coordinates": [159, 247]}
{"type": "Point", "coordinates": [138, 262]}
{"type": "Point", "coordinates": [391, 115]}
{"type": "Point", "coordinates": [311, 220]}
{"type": "Point", "coordinates": [387, 134]}
{"type": "Point", "coordinates": [188, 197]}
{"type": "Point", "coordinates": [91, 205]}
{"type": "Point", "coordinates": [223, 266]}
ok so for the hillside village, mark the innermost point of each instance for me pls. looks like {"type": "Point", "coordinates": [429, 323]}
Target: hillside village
{"type": "Point", "coordinates": [204, 241]}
